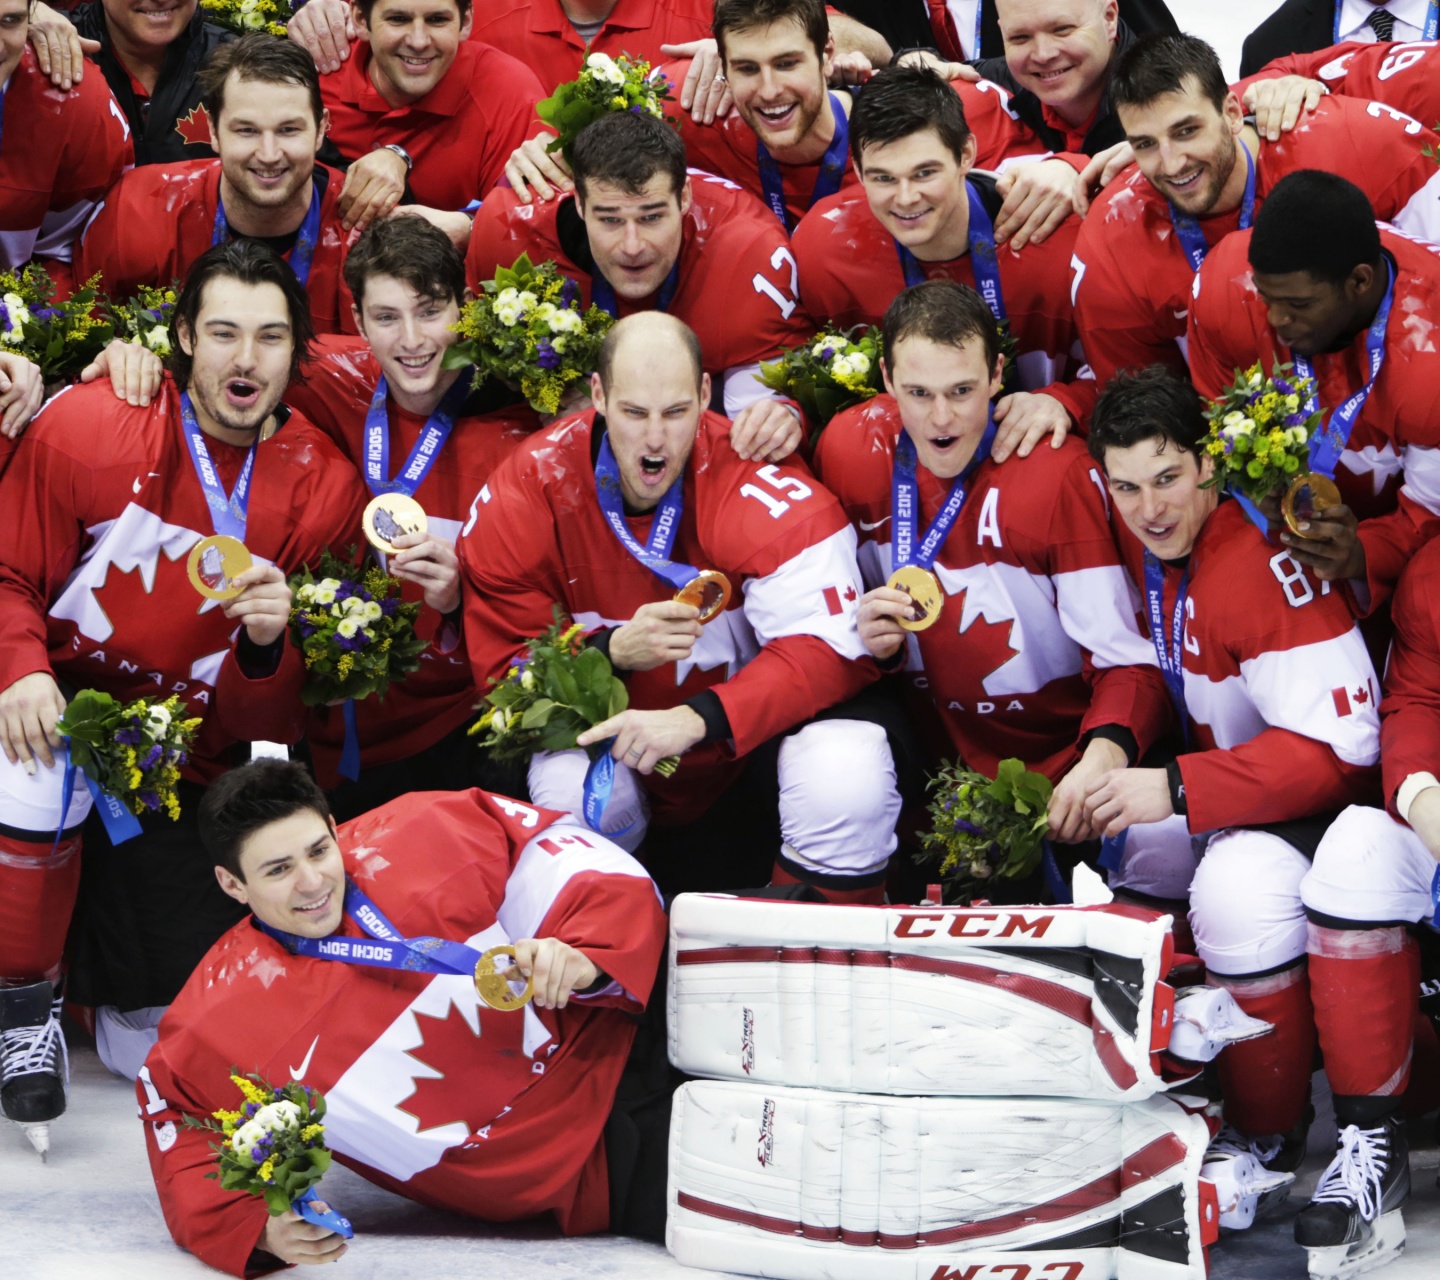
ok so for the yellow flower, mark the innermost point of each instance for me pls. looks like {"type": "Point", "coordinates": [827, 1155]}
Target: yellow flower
{"type": "Point", "coordinates": [345, 665]}
{"type": "Point", "coordinates": [311, 1131]}
{"type": "Point", "coordinates": [267, 1171]}
{"type": "Point", "coordinates": [252, 1091]}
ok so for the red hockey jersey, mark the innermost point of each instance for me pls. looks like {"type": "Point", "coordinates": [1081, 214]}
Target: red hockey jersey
{"type": "Point", "coordinates": [850, 272]}
{"type": "Point", "coordinates": [784, 649]}
{"type": "Point", "coordinates": [105, 506]}
{"type": "Point", "coordinates": [1405, 76]}
{"type": "Point", "coordinates": [1001, 137]}
{"type": "Point", "coordinates": [459, 135]}
{"type": "Point", "coordinates": [1279, 687]}
{"type": "Point", "coordinates": [421, 709]}
{"type": "Point", "coordinates": [429, 1093]}
{"type": "Point", "coordinates": [1132, 277]}
{"type": "Point", "coordinates": [1410, 725]}
{"type": "Point", "coordinates": [63, 150]}
{"type": "Point", "coordinates": [1398, 433]}
{"type": "Point", "coordinates": [1038, 641]}
{"type": "Point", "coordinates": [122, 241]}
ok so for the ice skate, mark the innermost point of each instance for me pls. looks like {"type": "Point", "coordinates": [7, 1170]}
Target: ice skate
{"type": "Point", "coordinates": [1353, 1222]}
{"type": "Point", "coordinates": [34, 1062]}
{"type": "Point", "coordinates": [1244, 1187]}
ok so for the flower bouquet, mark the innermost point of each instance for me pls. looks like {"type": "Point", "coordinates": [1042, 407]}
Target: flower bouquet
{"type": "Point", "coordinates": [60, 337]}
{"type": "Point", "coordinates": [273, 1146]}
{"type": "Point", "coordinates": [145, 319]}
{"type": "Point", "coordinates": [133, 752]}
{"type": "Point", "coordinates": [984, 830]}
{"type": "Point", "coordinates": [1260, 431]}
{"type": "Point", "coordinates": [527, 329]}
{"type": "Point", "coordinates": [353, 630]}
{"type": "Point", "coordinates": [833, 371]}
{"type": "Point", "coordinates": [605, 84]}
{"type": "Point", "coordinates": [554, 692]}
{"type": "Point", "coordinates": [269, 16]}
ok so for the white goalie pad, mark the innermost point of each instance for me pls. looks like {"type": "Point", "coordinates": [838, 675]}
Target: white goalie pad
{"type": "Point", "coordinates": [995, 1001]}
{"type": "Point", "coordinates": [805, 1184]}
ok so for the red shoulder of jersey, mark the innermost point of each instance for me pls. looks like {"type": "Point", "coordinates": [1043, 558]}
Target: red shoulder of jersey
{"type": "Point", "coordinates": [1406, 76]}
{"type": "Point", "coordinates": [856, 454]}
{"type": "Point", "coordinates": [505, 227]}
{"type": "Point", "coordinates": [999, 132]}
{"type": "Point", "coordinates": [849, 266]}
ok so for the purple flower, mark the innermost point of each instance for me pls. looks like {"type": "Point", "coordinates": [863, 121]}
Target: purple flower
{"type": "Point", "coordinates": [128, 737]}
{"type": "Point", "coordinates": [969, 828]}
{"type": "Point", "coordinates": [152, 757]}
{"type": "Point", "coordinates": [546, 355]}
{"type": "Point", "coordinates": [179, 759]}
{"type": "Point", "coordinates": [307, 629]}
{"type": "Point", "coordinates": [45, 313]}
{"type": "Point", "coordinates": [347, 588]}
{"type": "Point", "coordinates": [388, 607]}
{"type": "Point", "coordinates": [636, 109]}
{"type": "Point", "coordinates": [149, 799]}
{"type": "Point", "coordinates": [828, 353]}
{"type": "Point", "coordinates": [569, 291]}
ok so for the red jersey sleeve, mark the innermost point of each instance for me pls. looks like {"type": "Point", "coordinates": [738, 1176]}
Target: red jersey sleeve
{"type": "Point", "coordinates": [117, 244]}
{"type": "Point", "coordinates": [1410, 727]}
{"type": "Point", "coordinates": [1221, 337]}
{"type": "Point", "coordinates": [508, 91]}
{"type": "Point", "coordinates": [98, 148]}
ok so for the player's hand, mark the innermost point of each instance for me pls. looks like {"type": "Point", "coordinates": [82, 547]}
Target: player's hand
{"type": "Point", "coordinates": [849, 69]}
{"type": "Point", "coordinates": [28, 711]}
{"type": "Point", "coordinates": [949, 70]}
{"type": "Point", "coordinates": [59, 49]}
{"type": "Point", "coordinates": [1425, 819]}
{"type": "Point", "coordinates": [660, 632]}
{"type": "Point", "coordinates": [766, 431]}
{"type": "Point", "coordinates": [373, 187]}
{"type": "Point", "coordinates": [877, 620]}
{"type": "Point", "coordinates": [456, 225]}
{"type": "Point", "coordinates": [1278, 104]}
{"type": "Point", "coordinates": [1106, 166]}
{"type": "Point", "coordinates": [705, 94]}
{"type": "Point", "coordinates": [1038, 198]}
{"type": "Point", "coordinates": [325, 28]}
{"type": "Point", "coordinates": [1069, 823]}
{"type": "Point", "coordinates": [556, 969]}
{"type": "Point", "coordinates": [1333, 549]}
{"type": "Point", "coordinates": [22, 392]}
{"type": "Point", "coordinates": [1121, 798]}
{"type": "Point", "coordinates": [289, 1237]}
{"type": "Point", "coordinates": [531, 167]}
{"type": "Point", "coordinates": [429, 562]}
{"type": "Point", "coordinates": [134, 370]}
{"type": "Point", "coordinates": [644, 738]}
{"type": "Point", "coordinates": [1025, 418]}
{"type": "Point", "coordinates": [263, 607]}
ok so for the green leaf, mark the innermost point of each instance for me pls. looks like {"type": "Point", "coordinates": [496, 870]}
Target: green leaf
{"type": "Point", "coordinates": [537, 714]}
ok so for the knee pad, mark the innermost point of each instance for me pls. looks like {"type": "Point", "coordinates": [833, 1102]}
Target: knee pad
{"type": "Point", "coordinates": [1160, 860]}
{"type": "Point", "coordinates": [1368, 867]}
{"type": "Point", "coordinates": [838, 800]}
{"type": "Point", "coordinates": [557, 781]}
{"type": "Point", "coordinates": [1245, 903]}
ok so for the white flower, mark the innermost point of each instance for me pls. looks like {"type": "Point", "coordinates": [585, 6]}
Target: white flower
{"type": "Point", "coordinates": [566, 321]}
{"type": "Point", "coordinates": [1232, 420]}
{"type": "Point", "coordinates": [352, 604]}
{"type": "Point", "coordinates": [499, 720]}
{"type": "Point", "coordinates": [603, 65]}
{"type": "Point", "coordinates": [527, 679]}
{"type": "Point", "coordinates": [271, 1118]}
{"type": "Point", "coordinates": [558, 343]}
{"type": "Point", "coordinates": [157, 721]}
{"type": "Point", "coordinates": [329, 584]}
{"type": "Point", "coordinates": [1297, 435]}
{"type": "Point", "coordinates": [527, 299]}
{"type": "Point", "coordinates": [324, 594]}
{"type": "Point", "coordinates": [244, 1138]}
{"type": "Point", "coordinates": [158, 340]}
{"type": "Point", "coordinates": [507, 313]}
{"type": "Point", "coordinates": [547, 311]}
{"type": "Point", "coordinates": [306, 594]}
{"type": "Point", "coordinates": [347, 627]}
{"type": "Point", "coordinates": [18, 313]}
{"type": "Point", "coordinates": [821, 347]}
{"type": "Point", "coordinates": [371, 611]}
{"type": "Point", "coordinates": [859, 362]}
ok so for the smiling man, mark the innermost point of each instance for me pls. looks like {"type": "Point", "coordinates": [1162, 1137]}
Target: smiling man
{"type": "Point", "coordinates": [94, 594]}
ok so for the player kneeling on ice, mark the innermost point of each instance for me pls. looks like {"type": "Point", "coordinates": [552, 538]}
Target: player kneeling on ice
{"type": "Point", "coordinates": [1277, 694]}
{"type": "Point", "coordinates": [374, 961]}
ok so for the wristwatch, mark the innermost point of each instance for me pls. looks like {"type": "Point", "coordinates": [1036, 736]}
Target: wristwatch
{"type": "Point", "coordinates": [402, 153]}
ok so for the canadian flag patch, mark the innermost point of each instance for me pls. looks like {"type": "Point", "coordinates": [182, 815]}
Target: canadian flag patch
{"type": "Point", "coordinates": [837, 598]}
{"type": "Point", "coordinates": [1349, 701]}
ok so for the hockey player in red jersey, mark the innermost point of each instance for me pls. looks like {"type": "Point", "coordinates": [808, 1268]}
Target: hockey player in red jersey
{"type": "Point", "coordinates": [430, 1093]}
{"type": "Point", "coordinates": [1034, 650]}
{"type": "Point", "coordinates": [641, 234]}
{"type": "Point", "coordinates": [62, 151]}
{"type": "Point", "coordinates": [1317, 283]}
{"type": "Point", "coordinates": [1201, 174]}
{"type": "Point", "coordinates": [386, 400]}
{"type": "Point", "coordinates": [1277, 693]}
{"type": "Point", "coordinates": [924, 213]}
{"type": "Point", "coordinates": [780, 649]}
{"type": "Point", "coordinates": [94, 594]}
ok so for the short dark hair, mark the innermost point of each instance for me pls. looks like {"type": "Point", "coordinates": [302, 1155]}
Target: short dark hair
{"type": "Point", "coordinates": [367, 7]}
{"type": "Point", "coordinates": [263, 58]}
{"type": "Point", "coordinates": [238, 803]}
{"type": "Point", "coordinates": [1157, 64]}
{"type": "Point", "coordinates": [746, 15]}
{"type": "Point", "coordinates": [410, 249]}
{"type": "Point", "coordinates": [1147, 404]}
{"type": "Point", "coordinates": [900, 101]}
{"type": "Point", "coordinates": [1316, 222]}
{"type": "Point", "coordinates": [941, 311]}
{"type": "Point", "coordinates": [249, 262]}
{"type": "Point", "coordinates": [626, 150]}
{"type": "Point", "coordinates": [605, 361]}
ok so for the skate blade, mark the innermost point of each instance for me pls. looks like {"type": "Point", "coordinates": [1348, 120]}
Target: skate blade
{"type": "Point", "coordinates": [1385, 1243]}
{"type": "Point", "coordinates": [38, 1136]}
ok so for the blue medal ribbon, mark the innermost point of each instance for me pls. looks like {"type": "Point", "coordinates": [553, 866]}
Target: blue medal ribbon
{"type": "Point", "coordinates": [905, 502]}
{"type": "Point", "coordinates": [349, 766]}
{"type": "Point", "coordinates": [120, 824]}
{"type": "Point", "coordinates": [602, 292]}
{"type": "Point", "coordinates": [1435, 899]}
{"type": "Point", "coordinates": [1432, 22]}
{"type": "Point", "coordinates": [425, 450]}
{"type": "Point", "coordinates": [1054, 881]}
{"type": "Point", "coordinates": [827, 181]}
{"type": "Point", "coordinates": [1169, 648]}
{"type": "Point", "coordinates": [308, 1207]}
{"type": "Point", "coordinates": [1187, 226]}
{"type": "Point", "coordinates": [227, 511]}
{"type": "Point", "coordinates": [984, 257]}
{"type": "Point", "coordinates": [309, 236]}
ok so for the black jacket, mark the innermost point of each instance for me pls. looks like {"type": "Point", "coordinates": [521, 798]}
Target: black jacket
{"type": "Point", "coordinates": [175, 104]}
{"type": "Point", "coordinates": [1297, 26]}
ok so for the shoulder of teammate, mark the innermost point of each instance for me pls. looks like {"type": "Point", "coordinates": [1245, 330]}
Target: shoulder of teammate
{"type": "Point", "coordinates": [326, 491]}
{"type": "Point", "coordinates": [1000, 133]}
{"type": "Point", "coordinates": [505, 228]}
{"type": "Point", "coordinates": [1369, 142]}
{"type": "Point", "coordinates": [1225, 332]}
{"type": "Point", "coordinates": [1054, 508]}
{"type": "Point", "coordinates": [118, 239]}
{"type": "Point", "coordinates": [856, 452]}
{"type": "Point", "coordinates": [90, 425]}
{"type": "Point", "coordinates": [335, 393]}
{"type": "Point", "coordinates": [838, 238]}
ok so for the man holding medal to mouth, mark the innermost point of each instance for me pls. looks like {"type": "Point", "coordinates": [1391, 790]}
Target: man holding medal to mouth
{"type": "Point", "coordinates": [614, 515]}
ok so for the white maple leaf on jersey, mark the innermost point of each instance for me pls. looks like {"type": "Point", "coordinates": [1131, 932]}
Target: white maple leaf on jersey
{"type": "Point", "coordinates": [727, 641]}
{"type": "Point", "coordinates": [1379, 464]}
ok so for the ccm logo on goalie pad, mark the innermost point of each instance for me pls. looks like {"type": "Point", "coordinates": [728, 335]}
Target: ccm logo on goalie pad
{"type": "Point", "coordinates": [973, 925]}
{"type": "Point", "coordinates": [1012, 1271]}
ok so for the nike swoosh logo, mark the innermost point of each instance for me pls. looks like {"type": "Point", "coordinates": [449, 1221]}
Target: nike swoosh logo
{"type": "Point", "coordinates": [135, 488]}
{"type": "Point", "coordinates": [866, 526]}
{"type": "Point", "coordinates": [305, 1065]}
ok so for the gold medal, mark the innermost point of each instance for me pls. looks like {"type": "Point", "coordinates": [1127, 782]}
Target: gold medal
{"type": "Point", "coordinates": [709, 592]}
{"type": "Point", "coordinates": [497, 986]}
{"type": "Point", "coordinates": [391, 516]}
{"type": "Point", "coordinates": [926, 596]}
{"type": "Point", "coordinates": [214, 564]}
{"type": "Point", "coordinates": [1308, 496]}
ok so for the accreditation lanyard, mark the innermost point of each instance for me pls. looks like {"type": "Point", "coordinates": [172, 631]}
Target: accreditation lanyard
{"type": "Point", "coordinates": [1169, 651]}
{"type": "Point", "coordinates": [299, 257]}
{"type": "Point", "coordinates": [827, 181]}
{"type": "Point", "coordinates": [1187, 227]}
{"type": "Point", "coordinates": [602, 292]}
{"type": "Point", "coordinates": [984, 258]}
{"type": "Point", "coordinates": [655, 553]}
{"type": "Point", "coordinates": [1328, 443]}
{"type": "Point", "coordinates": [425, 450]}
{"type": "Point", "coordinates": [905, 502]}
{"type": "Point", "coordinates": [1432, 21]}
{"type": "Point", "coordinates": [227, 511]}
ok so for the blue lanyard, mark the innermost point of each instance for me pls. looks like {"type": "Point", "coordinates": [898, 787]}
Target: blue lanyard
{"type": "Point", "coordinates": [1187, 227]}
{"type": "Point", "coordinates": [602, 293]}
{"type": "Point", "coordinates": [905, 502]}
{"type": "Point", "coordinates": [1329, 442]}
{"type": "Point", "coordinates": [1432, 21]}
{"type": "Point", "coordinates": [425, 450]}
{"type": "Point", "coordinates": [655, 555]}
{"type": "Point", "coordinates": [227, 511]}
{"type": "Point", "coordinates": [984, 259]}
{"type": "Point", "coordinates": [827, 181]}
{"type": "Point", "coordinates": [4, 89]}
{"type": "Point", "coordinates": [299, 257]}
{"type": "Point", "coordinates": [1170, 654]}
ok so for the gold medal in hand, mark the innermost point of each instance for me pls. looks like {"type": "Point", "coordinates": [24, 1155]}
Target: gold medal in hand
{"type": "Point", "coordinates": [926, 596]}
{"type": "Point", "coordinates": [1309, 495]}
{"type": "Point", "coordinates": [215, 562]}
{"type": "Point", "coordinates": [390, 516]}
{"type": "Point", "coordinates": [497, 986]}
{"type": "Point", "coordinates": [708, 591]}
